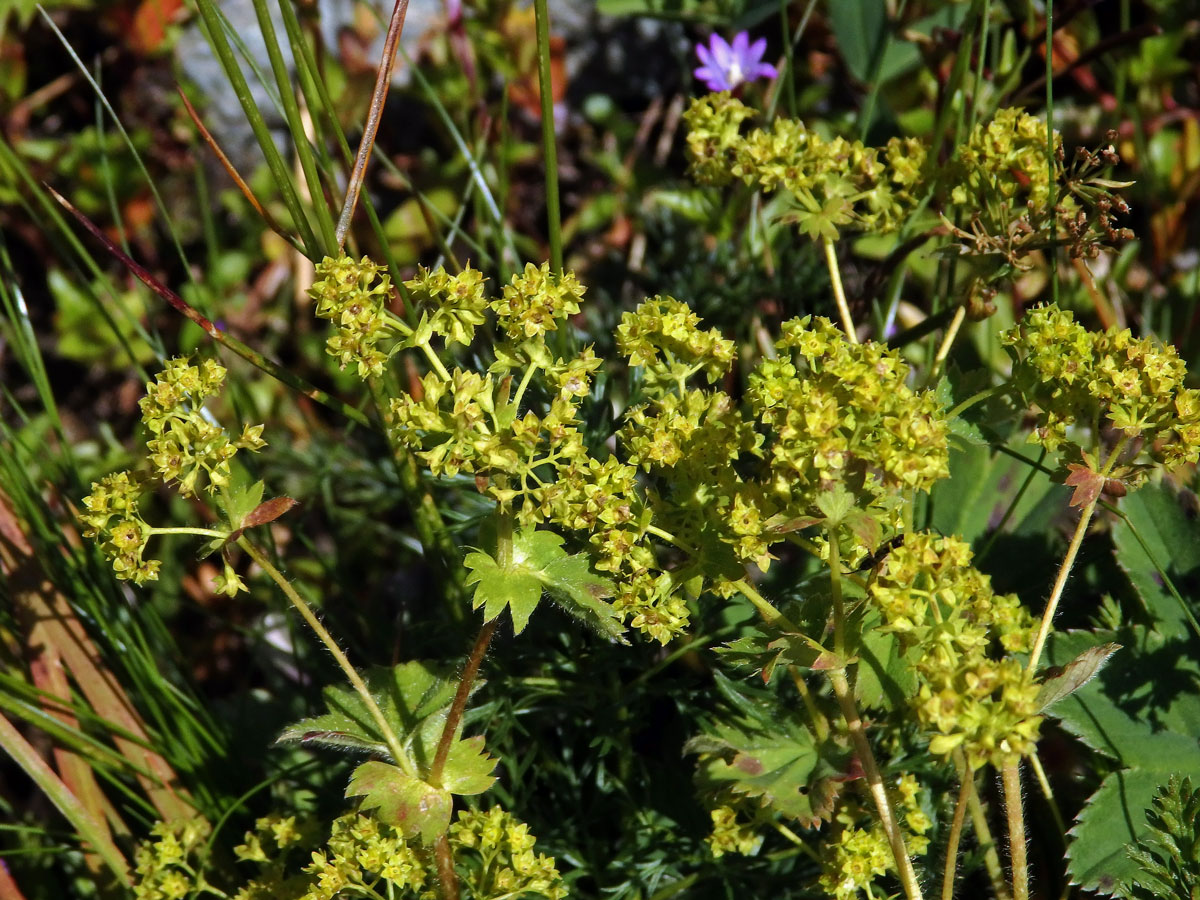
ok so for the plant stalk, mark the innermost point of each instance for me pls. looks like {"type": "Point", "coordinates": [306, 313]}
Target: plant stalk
{"type": "Point", "coordinates": [858, 736]}
{"type": "Point", "coordinates": [394, 746]}
{"type": "Point", "coordinates": [956, 826]}
{"type": "Point", "coordinates": [1011, 776]}
{"type": "Point", "coordinates": [839, 292]}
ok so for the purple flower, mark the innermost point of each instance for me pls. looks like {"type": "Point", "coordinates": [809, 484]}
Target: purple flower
{"type": "Point", "coordinates": [725, 66]}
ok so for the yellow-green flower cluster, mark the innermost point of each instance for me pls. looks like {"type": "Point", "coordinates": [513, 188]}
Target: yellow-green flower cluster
{"type": "Point", "coordinates": [842, 413]}
{"type": "Point", "coordinates": [859, 855]}
{"type": "Point", "coordinates": [536, 300]}
{"type": "Point", "coordinates": [835, 183]}
{"type": "Point", "coordinates": [1004, 160]}
{"type": "Point", "coordinates": [112, 517]}
{"type": "Point", "coordinates": [971, 694]}
{"type": "Point", "coordinates": [164, 864]}
{"type": "Point", "coordinates": [507, 865]}
{"type": "Point", "coordinates": [730, 835]}
{"type": "Point", "coordinates": [186, 446]}
{"type": "Point", "coordinates": [364, 855]}
{"type": "Point", "coordinates": [1090, 380]}
{"type": "Point", "coordinates": [469, 424]}
{"type": "Point", "coordinates": [451, 306]}
{"type": "Point", "coordinates": [1001, 181]}
{"type": "Point", "coordinates": [714, 134]}
{"type": "Point", "coordinates": [352, 294]}
{"type": "Point", "coordinates": [663, 337]}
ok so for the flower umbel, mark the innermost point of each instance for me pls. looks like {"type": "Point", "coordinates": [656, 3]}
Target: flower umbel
{"type": "Point", "coordinates": [725, 66]}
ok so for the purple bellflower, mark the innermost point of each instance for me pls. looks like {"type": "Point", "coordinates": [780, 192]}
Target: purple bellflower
{"type": "Point", "coordinates": [725, 66]}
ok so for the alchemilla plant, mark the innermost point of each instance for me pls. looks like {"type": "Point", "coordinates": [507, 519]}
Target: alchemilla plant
{"type": "Point", "coordinates": [717, 467]}
{"type": "Point", "coordinates": [791, 497]}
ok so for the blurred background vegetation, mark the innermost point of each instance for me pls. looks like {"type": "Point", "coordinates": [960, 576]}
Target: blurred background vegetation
{"type": "Point", "coordinates": [173, 682]}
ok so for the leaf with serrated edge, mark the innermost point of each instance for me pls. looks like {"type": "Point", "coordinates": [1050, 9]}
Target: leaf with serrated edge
{"type": "Point", "coordinates": [498, 588]}
{"type": "Point", "coordinates": [1149, 751]}
{"type": "Point", "coordinates": [765, 754]}
{"type": "Point", "coordinates": [407, 803]}
{"type": "Point", "coordinates": [414, 698]}
{"type": "Point", "coordinates": [1074, 675]}
{"type": "Point", "coordinates": [468, 768]}
{"type": "Point", "coordinates": [539, 564]}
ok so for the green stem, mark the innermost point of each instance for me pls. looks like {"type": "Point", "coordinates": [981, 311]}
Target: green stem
{"type": "Point", "coordinates": [839, 292]}
{"type": "Point", "coordinates": [835, 590]}
{"type": "Point", "coordinates": [525, 379]}
{"type": "Point", "coordinates": [960, 812]}
{"type": "Point", "coordinates": [394, 747]}
{"type": "Point", "coordinates": [858, 736]}
{"type": "Point", "coordinates": [434, 362]}
{"type": "Point", "coordinates": [202, 532]}
{"type": "Point", "coordinates": [1064, 570]}
{"type": "Point", "coordinates": [549, 146]}
{"type": "Point", "coordinates": [977, 397]}
{"type": "Point", "coordinates": [1011, 777]}
{"type": "Point", "coordinates": [983, 831]}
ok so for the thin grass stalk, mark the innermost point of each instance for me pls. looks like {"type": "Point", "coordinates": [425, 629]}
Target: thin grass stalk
{"type": "Point", "coordinates": [320, 105]}
{"type": "Point", "coordinates": [291, 111]}
{"type": "Point", "coordinates": [247, 353]}
{"type": "Point", "coordinates": [383, 81]}
{"type": "Point", "coordinates": [85, 824]}
{"type": "Point", "coordinates": [137, 157]}
{"type": "Point", "coordinates": [39, 191]}
{"type": "Point", "coordinates": [262, 212]}
{"type": "Point", "coordinates": [278, 168]}
{"type": "Point", "coordinates": [549, 142]}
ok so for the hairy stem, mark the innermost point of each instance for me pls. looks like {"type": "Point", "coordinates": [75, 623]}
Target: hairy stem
{"type": "Point", "coordinates": [956, 826]}
{"type": "Point", "coordinates": [459, 705]}
{"type": "Point", "coordinates": [983, 831]}
{"type": "Point", "coordinates": [858, 736]}
{"type": "Point", "coordinates": [394, 747]}
{"type": "Point", "coordinates": [447, 887]}
{"type": "Point", "coordinates": [839, 292]}
{"type": "Point", "coordinates": [1011, 776]}
{"type": "Point", "coordinates": [1064, 570]}
{"type": "Point", "coordinates": [835, 590]}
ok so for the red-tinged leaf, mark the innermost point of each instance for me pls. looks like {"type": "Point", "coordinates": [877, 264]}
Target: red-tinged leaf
{"type": "Point", "coordinates": [268, 511]}
{"type": "Point", "coordinates": [1087, 484]}
{"type": "Point", "coordinates": [407, 803]}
